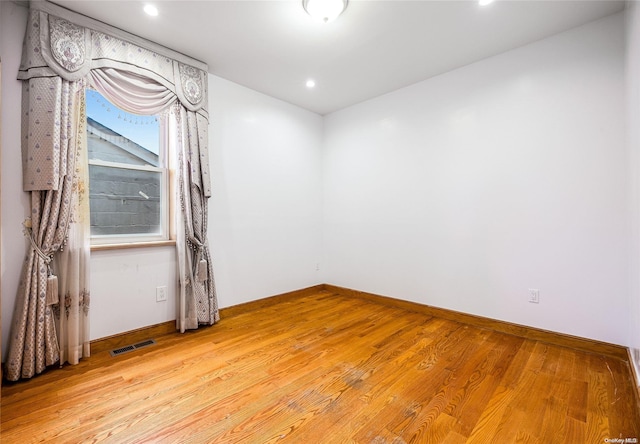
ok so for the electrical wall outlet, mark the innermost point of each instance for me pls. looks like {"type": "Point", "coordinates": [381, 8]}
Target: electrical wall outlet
{"type": "Point", "coordinates": [534, 296]}
{"type": "Point", "coordinates": [161, 294]}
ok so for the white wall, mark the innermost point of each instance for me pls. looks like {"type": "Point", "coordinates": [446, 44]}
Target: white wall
{"type": "Point", "coordinates": [266, 223]}
{"type": "Point", "coordinates": [632, 14]}
{"type": "Point", "coordinates": [123, 289]}
{"type": "Point", "coordinates": [467, 189]}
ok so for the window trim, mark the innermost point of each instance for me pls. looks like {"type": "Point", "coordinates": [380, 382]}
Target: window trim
{"type": "Point", "coordinates": [167, 204]}
{"type": "Point", "coordinates": [150, 244]}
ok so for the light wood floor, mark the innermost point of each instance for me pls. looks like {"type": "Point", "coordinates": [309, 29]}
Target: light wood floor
{"type": "Point", "coordinates": [326, 368]}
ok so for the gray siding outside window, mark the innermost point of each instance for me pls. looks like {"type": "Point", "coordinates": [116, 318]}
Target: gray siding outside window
{"type": "Point", "coordinates": [122, 201]}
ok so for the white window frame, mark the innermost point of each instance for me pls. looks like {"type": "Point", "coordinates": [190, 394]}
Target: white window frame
{"type": "Point", "coordinates": [165, 204]}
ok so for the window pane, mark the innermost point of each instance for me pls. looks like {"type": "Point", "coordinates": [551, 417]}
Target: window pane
{"type": "Point", "coordinates": [105, 144]}
{"type": "Point", "coordinates": [124, 201]}
{"type": "Point", "coordinates": [126, 174]}
{"type": "Point", "coordinates": [115, 135]}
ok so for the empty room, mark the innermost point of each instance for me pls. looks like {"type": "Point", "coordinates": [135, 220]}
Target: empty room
{"type": "Point", "coordinates": [320, 221]}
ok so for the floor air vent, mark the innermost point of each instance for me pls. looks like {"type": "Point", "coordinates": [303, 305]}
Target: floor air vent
{"type": "Point", "coordinates": [129, 348]}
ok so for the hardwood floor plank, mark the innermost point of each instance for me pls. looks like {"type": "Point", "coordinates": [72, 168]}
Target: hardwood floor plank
{"type": "Point", "coordinates": [575, 431]}
{"type": "Point", "coordinates": [555, 407]}
{"type": "Point", "coordinates": [495, 417]}
{"type": "Point", "coordinates": [327, 368]}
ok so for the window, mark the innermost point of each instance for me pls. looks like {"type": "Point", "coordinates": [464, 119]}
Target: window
{"type": "Point", "coordinates": [128, 177]}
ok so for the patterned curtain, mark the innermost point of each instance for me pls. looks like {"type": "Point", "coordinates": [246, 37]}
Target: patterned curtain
{"type": "Point", "coordinates": [62, 53]}
{"type": "Point", "coordinates": [52, 146]}
{"type": "Point", "coordinates": [197, 297]}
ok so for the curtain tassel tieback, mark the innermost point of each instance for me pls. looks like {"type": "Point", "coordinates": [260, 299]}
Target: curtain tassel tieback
{"type": "Point", "coordinates": [202, 267]}
{"type": "Point", "coordinates": [203, 273]}
{"type": "Point", "coordinates": [52, 280]}
{"type": "Point", "coordinates": [52, 289]}
{"type": "Point", "coordinates": [203, 270]}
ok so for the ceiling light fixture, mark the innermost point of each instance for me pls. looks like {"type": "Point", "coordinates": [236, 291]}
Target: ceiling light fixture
{"type": "Point", "coordinates": [151, 10]}
{"type": "Point", "coordinates": [484, 2]}
{"type": "Point", "coordinates": [324, 10]}
{"type": "Point", "coordinates": [311, 83]}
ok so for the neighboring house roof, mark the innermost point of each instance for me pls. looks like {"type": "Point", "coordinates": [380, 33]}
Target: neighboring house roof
{"type": "Point", "coordinates": [116, 147]}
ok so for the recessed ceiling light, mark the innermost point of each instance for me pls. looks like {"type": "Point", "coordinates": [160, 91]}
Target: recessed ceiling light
{"type": "Point", "coordinates": [311, 83]}
{"type": "Point", "coordinates": [484, 2]}
{"type": "Point", "coordinates": [151, 10]}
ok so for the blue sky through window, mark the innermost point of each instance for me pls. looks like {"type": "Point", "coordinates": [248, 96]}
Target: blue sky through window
{"type": "Point", "coordinates": [143, 130]}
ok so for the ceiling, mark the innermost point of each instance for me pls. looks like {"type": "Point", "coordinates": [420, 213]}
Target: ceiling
{"type": "Point", "coordinates": [373, 48]}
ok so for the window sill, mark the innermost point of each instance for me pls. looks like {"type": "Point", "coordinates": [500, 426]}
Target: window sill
{"type": "Point", "coordinates": [106, 247]}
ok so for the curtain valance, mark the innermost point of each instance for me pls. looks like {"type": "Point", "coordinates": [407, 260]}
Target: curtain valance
{"type": "Point", "coordinates": [56, 46]}
{"type": "Point", "coordinates": [62, 45]}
